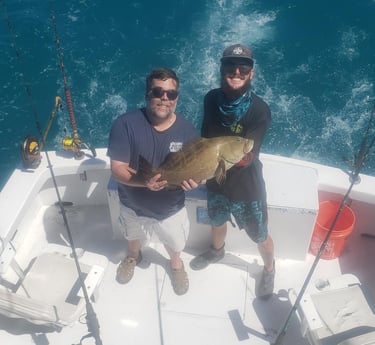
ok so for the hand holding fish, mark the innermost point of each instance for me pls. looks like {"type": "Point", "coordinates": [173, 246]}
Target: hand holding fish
{"type": "Point", "coordinates": [154, 184]}
{"type": "Point", "coordinates": [189, 184]}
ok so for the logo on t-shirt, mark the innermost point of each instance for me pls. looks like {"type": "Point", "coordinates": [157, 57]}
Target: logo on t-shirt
{"type": "Point", "coordinates": [175, 147]}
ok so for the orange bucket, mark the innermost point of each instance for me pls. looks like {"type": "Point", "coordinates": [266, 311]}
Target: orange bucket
{"type": "Point", "coordinates": [342, 229]}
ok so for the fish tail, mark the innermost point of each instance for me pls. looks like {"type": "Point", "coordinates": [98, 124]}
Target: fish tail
{"type": "Point", "coordinates": [145, 169]}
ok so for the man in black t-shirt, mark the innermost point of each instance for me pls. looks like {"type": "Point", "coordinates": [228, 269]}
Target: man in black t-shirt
{"type": "Point", "coordinates": [233, 109]}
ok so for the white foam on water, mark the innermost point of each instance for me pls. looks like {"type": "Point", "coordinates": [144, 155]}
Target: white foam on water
{"type": "Point", "coordinates": [351, 38]}
{"type": "Point", "coordinates": [306, 131]}
{"type": "Point", "coordinates": [223, 23]}
{"type": "Point", "coordinates": [116, 102]}
{"type": "Point", "coordinates": [73, 18]}
{"type": "Point", "coordinates": [93, 88]}
{"type": "Point", "coordinates": [107, 78]}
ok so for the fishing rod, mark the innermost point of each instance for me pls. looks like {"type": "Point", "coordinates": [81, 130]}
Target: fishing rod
{"type": "Point", "coordinates": [32, 146]}
{"type": "Point", "coordinates": [361, 157]}
{"type": "Point", "coordinates": [358, 163]}
{"type": "Point", "coordinates": [73, 143]}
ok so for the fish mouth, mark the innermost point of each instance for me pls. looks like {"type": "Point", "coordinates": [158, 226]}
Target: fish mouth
{"type": "Point", "coordinates": [231, 162]}
{"type": "Point", "coordinates": [248, 146]}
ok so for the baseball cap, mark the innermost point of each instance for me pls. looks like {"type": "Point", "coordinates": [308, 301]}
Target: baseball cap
{"type": "Point", "coordinates": [237, 51]}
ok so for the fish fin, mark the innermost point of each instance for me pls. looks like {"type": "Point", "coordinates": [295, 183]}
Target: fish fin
{"type": "Point", "coordinates": [220, 172]}
{"type": "Point", "coordinates": [145, 169]}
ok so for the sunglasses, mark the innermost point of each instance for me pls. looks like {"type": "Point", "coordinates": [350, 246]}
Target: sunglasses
{"type": "Point", "coordinates": [231, 69]}
{"type": "Point", "coordinates": [158, 92]}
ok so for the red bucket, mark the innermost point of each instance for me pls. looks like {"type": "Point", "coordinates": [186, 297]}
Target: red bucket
{"type": "Point", "coordinates": [342, 229]}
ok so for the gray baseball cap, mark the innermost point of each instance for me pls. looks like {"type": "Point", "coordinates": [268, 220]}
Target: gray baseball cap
{"type": "Point", "coordinates": [237, 51]}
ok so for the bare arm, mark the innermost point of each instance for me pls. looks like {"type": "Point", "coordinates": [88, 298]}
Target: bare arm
{"type": "Point", "coordinates": [123, 173]}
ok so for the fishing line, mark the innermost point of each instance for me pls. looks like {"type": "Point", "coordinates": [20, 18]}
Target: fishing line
{"type": "Point", "coordinates": [92, 321]}
{"type": "Point", "coordinates": [365, 148]}
{"type": "Point", "coordinates": [359, 161]}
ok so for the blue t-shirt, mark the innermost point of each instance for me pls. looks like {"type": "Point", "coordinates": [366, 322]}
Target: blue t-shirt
{"type": "Point", "coordinates": [132, 135]}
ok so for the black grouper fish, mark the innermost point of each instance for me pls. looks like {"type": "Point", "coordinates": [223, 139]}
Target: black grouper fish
{"type": "Point", "coordinates": [201, 159]}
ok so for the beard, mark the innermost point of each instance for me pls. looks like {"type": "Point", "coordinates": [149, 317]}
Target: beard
{"type": "Point", "coordinates": [157, 116]}
{"type": "Point", "coordinates": [230, 93]}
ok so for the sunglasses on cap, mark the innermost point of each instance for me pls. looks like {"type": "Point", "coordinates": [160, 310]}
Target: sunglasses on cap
{"type": "Point", "coordinates": [158, 92]}
{"type": "Point", "coordinates": [231, 68]}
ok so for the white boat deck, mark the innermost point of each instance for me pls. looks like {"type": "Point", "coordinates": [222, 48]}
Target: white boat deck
{"type": "Point", "coordinates": [219, 308]}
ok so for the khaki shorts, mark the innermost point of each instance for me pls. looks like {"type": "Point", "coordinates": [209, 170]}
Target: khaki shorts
{"type": "Point", "coordinates": [172, 231]}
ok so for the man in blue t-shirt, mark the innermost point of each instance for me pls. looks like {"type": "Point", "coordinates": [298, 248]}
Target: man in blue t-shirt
{"type": "Point", "coordinates": [146, 205]}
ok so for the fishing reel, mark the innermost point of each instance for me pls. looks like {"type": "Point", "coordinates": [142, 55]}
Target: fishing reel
{"type": "Point", "coordinates": [30, 152]}
{"type": "Point", "coordinates": [75, 144]}
{"type": "Point", "coordinates": [31, 148]}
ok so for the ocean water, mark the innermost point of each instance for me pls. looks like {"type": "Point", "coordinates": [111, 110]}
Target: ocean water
{"type": "Point", "coordinates": [314, 66]}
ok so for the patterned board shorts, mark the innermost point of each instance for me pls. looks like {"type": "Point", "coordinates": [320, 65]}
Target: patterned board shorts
{"type": "Point", "coordinates": [249, 215]}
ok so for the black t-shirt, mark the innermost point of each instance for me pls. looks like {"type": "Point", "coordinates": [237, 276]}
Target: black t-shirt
{"type": "Point", "coordinates": [242, 183]}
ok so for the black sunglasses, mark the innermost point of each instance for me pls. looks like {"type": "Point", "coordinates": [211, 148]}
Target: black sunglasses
{"type": "Point", "coordinates": [231, 69]}
{"type": "Point", "coordinates": [158, 92]}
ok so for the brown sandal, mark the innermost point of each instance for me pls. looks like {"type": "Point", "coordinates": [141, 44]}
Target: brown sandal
{"type": "Point", "coordinates": [180, 281]}
{"type": "Point", "coordinates": [125, 270]}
